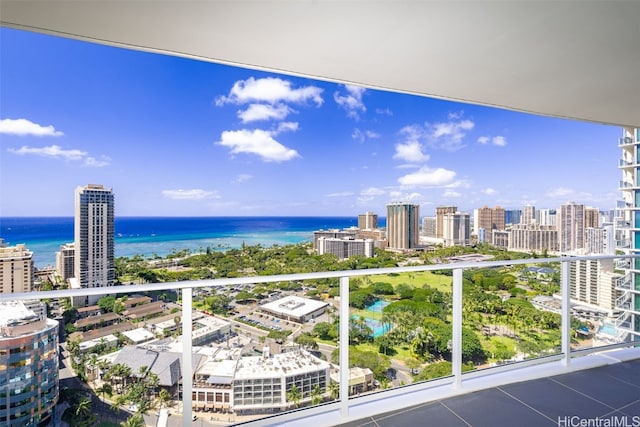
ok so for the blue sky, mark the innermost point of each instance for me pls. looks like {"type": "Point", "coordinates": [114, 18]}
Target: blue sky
{"type": "Point", "coordinates": [176, 137]}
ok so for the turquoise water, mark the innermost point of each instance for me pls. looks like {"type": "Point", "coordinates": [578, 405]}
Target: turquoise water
{"type": "Point", "coordinates": [376, 326]}
{"type": "Point", "coordinates": [378, 306]}
{"type": "Point", "coordinates": [150, 236]}
{"type": "Point", "coordinates": [608, 329]}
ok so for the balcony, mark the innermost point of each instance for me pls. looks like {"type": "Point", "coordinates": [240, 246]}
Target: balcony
{"type": "Point", "coordinates": [624, 282]}
{"type": "Point", "coordinates": [499, 388]}
{"type": "Point", "coordinates": [623, 164]}
{"type": "Point", "coordinates": [625, 141]}
{"type": "Point", "coordinates": [624, 185]}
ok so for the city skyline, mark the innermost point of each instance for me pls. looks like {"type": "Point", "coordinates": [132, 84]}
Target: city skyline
{"type": "Point", "coordinates": [178, 137]}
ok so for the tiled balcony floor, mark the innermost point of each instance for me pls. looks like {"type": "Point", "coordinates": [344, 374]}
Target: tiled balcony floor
{"type": "Point", "coordinates": [609, 392]}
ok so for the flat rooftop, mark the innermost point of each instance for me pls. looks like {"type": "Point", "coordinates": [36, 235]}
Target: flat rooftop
{"type": "Point", "coordinates": [294, 306]}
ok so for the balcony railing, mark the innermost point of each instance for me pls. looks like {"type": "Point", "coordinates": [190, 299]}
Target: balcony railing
{"type": "Point", "coordinates": [624, 282]}
{"type": "Point", "coordinates": [626, 164]}
{"type": "Point", "coordinates": [347, 408]}
{"type": "Point", "coordinates": [625, 141]}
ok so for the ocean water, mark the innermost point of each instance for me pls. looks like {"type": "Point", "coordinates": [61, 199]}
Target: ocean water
{"type": "Point", "coordinates": [149, 236]}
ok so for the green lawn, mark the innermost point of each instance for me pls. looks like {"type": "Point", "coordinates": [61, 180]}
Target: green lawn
{"type": "Point", "coordinates": [418, 279]}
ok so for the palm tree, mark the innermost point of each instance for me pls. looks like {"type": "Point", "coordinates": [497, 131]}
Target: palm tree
{"type": "Point", "coordinates": [316, 395]}
{"type": "Point", "coordinates": [334, 390]}
{"type": "Point", "coordinates": [294, 395]}
{"type": "Point", "coordinates": [105, 389]}
{"type": "Point", "coordinates": [135, 420]}
{"type": "Point", "coordinates": [84, 407]}
{"type": "Point", "coordinates": [164, 397]}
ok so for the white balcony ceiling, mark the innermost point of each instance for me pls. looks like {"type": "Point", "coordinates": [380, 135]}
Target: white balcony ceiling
{"type": "Point", "coordinates": [571, 59]}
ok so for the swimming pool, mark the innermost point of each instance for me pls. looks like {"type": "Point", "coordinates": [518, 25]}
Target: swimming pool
{"type": "Point", "coordinates": [608, 329]}
{"type": "Point", "coordinates": [376, 326]}
{"type": "Point", "coordinates": [378, 306]}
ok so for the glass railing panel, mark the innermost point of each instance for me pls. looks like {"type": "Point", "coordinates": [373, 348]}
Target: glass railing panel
{"type": "Point", "coordinates": [407, 322]}
{"type": "Point", "coordinates": [510, 314]}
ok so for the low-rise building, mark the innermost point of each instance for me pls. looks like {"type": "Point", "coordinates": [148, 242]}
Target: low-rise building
{"type": "Point", "coordinates": [295, 309]}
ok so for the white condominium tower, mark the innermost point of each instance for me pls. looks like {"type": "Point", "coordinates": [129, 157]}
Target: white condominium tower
{"type": "Point", "coordinates": [94, 239]}
{"type": "Point", "coordinates": [457, 229]}
{"type": "Point", "coordinates": [403, 225]}
{"type": "Point", "coordinates": [627, 229]}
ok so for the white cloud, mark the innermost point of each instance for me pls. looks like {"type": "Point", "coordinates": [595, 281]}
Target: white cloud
{"type": "Point", "coordinates": [499, 141]}
{"type": "Point", "coordinates": [351, 101]}
{"type": "Point", "coordinates": [405, 197]}
{"type": "Point", "coordinates": [269, 90]}
{"type": "Point", "coordinates": [451, 194]}
{"type": "Point", "coordinates": [286, 127]}
{"type": "Point", "coordinates": [341, 194]}
{"type": "Point", "coordinates": [361, 136]}
{"type": "Point", "coordinates": [256, 112]}
{"type": "Point", "coordinates": [192, 194]}
{"type": "Point", "coordinates": [488, 191]}
{"type": "Point", "coordinates": [384, 112]}
{"type": "Point", "coordinates": [259, 142]}
{"type": "Point", "coordinates": [243, 177]}
{"type": "Point", "coordinates": [57, 152]}
{"type": "Point", "coordinates": [560, 192]}
{"type": "Point", "coordinates": [95, 163]}
{"type": "Point", "coordinates": [427, 177]}
{"type": "Point", "coordinates": [449, 135]}
{"type": "Point", "coordinates": [23, 127]}
{"type": "Point", "coordinates": [411, 152]}
{"type": "Point", "coordinates": [373, 191]}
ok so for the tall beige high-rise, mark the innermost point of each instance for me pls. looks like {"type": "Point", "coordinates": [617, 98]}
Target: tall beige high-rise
{"type": "Point", "coordinates": [16, 269]}
{"type": "Point", "coordinates": [490, 219]}
{"type": "Point", "coordinates": [94, 239]}
{"type": "Point", "coordinates": [441, 211]}
{"type": "Point", "coordinates": [368, 221]}
{"type": "Point", "coordinates": [570, 227]}
{"type": "Point", "coordinates": [403, 225]}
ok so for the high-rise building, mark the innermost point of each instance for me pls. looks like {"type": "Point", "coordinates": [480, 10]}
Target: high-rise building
{"type": "Point", "coordinates": [65, 261]}
{"type": "Point", "coordinates": [570, 227]}
{"type": "Point", "coordinates": [591, 217]}
{"type": "Point", "coordinates": [533, 238]}
{"type": "Point", "coordinates": [345, 248]}
{"type": "Point", "coordinates": [457, 229]}
{"type": "Point", "coordinates": [333, 234]}
{"type": "Point", "coordinates": [546, 216]}
{"type": "Point", "coordinates": [440, 213]}
{"type": "Point", "coordinates": [94, 240]}
{"type": "Point", "coordinates": [490, 219]}
{"type": "Point", "coordinates": [368, 221]}
{"type": "Point", "coordinates": [512, 216]}
{"type": "Point", "coordinates": [528, 215]}
{"type": "Point", "coordinates": [627, 229]}
{"type": "Point", "coordinates": [16, 269]}
{"type": "Point", "coordinates": [403, 225]}
{"type": "Point", "coordinates": [28, 364]}
{"type": "Point", "coordinates": [599, 241]}
{"type": "Point", "coordinates": [429, 226]}
{"type": "Point", "coordinates": [593, 282]}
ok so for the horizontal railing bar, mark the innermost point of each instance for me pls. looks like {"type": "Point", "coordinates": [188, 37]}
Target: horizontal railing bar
{"type": "Point", "coordinates": [224, 282]}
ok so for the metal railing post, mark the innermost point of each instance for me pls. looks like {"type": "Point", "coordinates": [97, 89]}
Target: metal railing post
{"type": "Point", "coordinates": [566, 313]}
{"type": "Point", "coordinates": [187, 356]}
{"type": "Point", "coordinates": [456, 333]}
{"type": "Point", "coordinates": [344, 347]}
